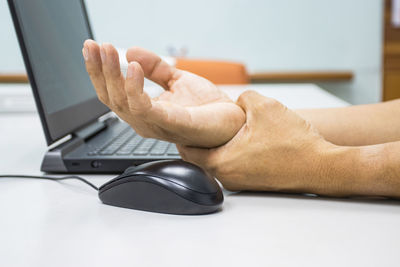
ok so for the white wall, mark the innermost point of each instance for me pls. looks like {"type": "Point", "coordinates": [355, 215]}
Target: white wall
{"type": "Point", "coordinates": [268, 35]}
{"type": "Point", "coordinates": [10, 58]}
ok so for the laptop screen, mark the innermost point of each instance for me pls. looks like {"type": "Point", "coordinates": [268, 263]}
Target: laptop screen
{"type": "Point", "coordinates": [52, 33]}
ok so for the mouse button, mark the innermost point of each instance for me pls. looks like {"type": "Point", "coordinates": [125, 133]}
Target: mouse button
{"type": "Point", "coordinates": [192, 175]}
{"type": "Point", "coordinates": [178, 171]}
{"type": "Point", "coordinates": [115, 181]}
{"type": "Point", "coordinates": [192, 178]}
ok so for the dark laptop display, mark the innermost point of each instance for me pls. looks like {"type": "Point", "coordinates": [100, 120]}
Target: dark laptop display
{"type": "Point", "coordinates": [51, 35]}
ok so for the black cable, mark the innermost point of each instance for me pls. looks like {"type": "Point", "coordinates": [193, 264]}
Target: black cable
{"type": "Point", "coordinates": [53, 178]}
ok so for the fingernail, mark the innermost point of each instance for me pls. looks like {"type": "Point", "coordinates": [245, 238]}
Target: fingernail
{"type": "Point", "coordinates": [129, 71]}
{"type": "Point", "coordinates": [85, 52]}
{"type": "Point", "coordinates": [102, 54]}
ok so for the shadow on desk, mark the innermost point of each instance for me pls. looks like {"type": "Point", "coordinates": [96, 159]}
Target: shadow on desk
{"type": "Point", "coordinates": [313, 197]}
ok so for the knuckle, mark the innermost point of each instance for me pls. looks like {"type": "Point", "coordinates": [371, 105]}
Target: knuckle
{"type": "Point", "coordinates": [247, 95]}
{"type": "Point", "coordinates": [115, 73]}
{"type": "Point", "coordinates": [257, 103]}
{"type": "Point", "coordinates": [250, 93]}
{"type": "Point", "coordinates": [272, 101]}
{"type": "Point", "coordinates": [117, 106]}
{"type": "Point", "coordinates": [94, 71]}
{"type": "Point", "coordinates": [260, 106]}
{"type": "Point", "coordinates": [108, 74]}
{"type": "Point", "coordinates": [137, 111]}
{"type": "Point", "coordinates": [266, 104]}
{"type": "Point", "coordinates": [111, 73]}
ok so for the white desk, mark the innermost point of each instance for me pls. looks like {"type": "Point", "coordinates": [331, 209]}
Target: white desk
{"type": "Point", "coordinates": [44, 223]}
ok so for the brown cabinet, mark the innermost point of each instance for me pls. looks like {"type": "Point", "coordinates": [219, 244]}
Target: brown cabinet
{"type": "Point", "coordinates": [391, 56]}
{"type": "Point", "coordinates": [391, 81]}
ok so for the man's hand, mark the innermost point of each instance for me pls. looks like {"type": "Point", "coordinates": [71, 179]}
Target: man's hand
{"type": "Point", "coordinates": [275, 150]}
{"type": "Point", "coordinates": [191, 111]}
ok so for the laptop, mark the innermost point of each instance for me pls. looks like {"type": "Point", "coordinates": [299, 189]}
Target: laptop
{"type": "Point", "coordinates": [82, 134]}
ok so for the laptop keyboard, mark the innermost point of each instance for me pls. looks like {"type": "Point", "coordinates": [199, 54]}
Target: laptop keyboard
{"type": "Point", "coordinates": [127, 142]}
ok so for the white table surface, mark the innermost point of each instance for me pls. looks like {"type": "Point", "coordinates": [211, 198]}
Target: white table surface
{"type": "Point", "coordinates": [45, 223]}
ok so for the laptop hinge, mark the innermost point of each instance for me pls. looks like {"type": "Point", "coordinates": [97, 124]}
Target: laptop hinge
{"type": "Point", "coordinates": [53, 159]}
{"type": "Point", "coordinates": [95, 127]}
{"type": "Point", "coordinates": [90, 130]}
{"type": "Point", "coordinates": [87, 131]}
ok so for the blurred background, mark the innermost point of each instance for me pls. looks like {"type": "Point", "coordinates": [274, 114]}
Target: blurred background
{"type": "Point", "coordinates": [347, 47]}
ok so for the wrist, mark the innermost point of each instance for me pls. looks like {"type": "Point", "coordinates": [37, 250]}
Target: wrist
{"type": "Point", "coordinates": [336, 165]}
{"type": "Point", "coordinates": [352, 171]}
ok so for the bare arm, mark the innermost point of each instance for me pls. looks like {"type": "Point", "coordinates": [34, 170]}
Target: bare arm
{"type": "Point", "coordinates": [357, 125]}
{"type": "Point", "coordinates": [359, 171]}
{"type": "Point", "coordinates": [277, 150]}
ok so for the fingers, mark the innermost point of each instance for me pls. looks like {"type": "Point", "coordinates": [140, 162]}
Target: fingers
{"type": "Point", "coordinates": [138, 100]}
{"type": "Point", "coordinates": [91, 54]}
{"type": "Point", "coordinates": [115, 81]}
{"type": "Point", "coordinates": [153, 66]}
{"type": "Point", "coordinates": [102, 64]}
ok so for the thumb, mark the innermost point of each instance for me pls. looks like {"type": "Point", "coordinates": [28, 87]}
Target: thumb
{"type": "Point", "coordinates": [251, 102]}
{"type": "Point", "coordinates": [154, 67]}
{"type": "Point", "coordinates": [248, 99]}
{"type": "Point", "coordinates": [256, 105]}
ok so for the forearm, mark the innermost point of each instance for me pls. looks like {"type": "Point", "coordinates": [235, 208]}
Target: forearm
{"type": "Point", "coordinates": [360, 171]}
{"type": "Point", "coordinates": [357, 125]}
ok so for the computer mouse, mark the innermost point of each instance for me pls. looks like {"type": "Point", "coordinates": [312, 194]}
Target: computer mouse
{"type": "Point", "coordinates": [166, 186]}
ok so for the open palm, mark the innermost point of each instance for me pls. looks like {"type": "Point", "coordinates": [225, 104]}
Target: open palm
{"type": "Point", "coordinates": [191, 111]}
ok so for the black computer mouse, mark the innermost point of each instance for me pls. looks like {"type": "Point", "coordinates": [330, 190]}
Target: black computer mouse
{"type": "Point", "coordinates": [167, 186]}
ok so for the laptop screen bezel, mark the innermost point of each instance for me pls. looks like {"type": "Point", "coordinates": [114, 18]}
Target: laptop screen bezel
{"type": "Point", "coordinates": [64, 122]}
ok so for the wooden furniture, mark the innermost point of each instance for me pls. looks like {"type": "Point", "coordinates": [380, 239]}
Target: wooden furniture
{"type": "Point", "coordinates": [391, 56]}
{"type": "Point", "coordinates": [219, 72]}
{"type": "Point", "coordinates": [225, 72]}
{"type": "Point", "coordinates": [234, 73]}
{"type": "Point", "coordinates": [301, 77]}
{"type": "Point", "coordinates": [13, 78]}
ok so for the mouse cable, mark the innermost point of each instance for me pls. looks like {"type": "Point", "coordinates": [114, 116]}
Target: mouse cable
{"type": "Point", "coordinates": [53, 178]}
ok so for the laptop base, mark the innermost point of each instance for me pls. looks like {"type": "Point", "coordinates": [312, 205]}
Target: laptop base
{"type": "Point", "coordinates": [76, 154]}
